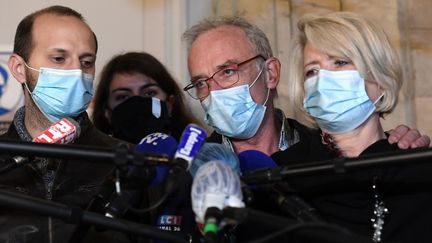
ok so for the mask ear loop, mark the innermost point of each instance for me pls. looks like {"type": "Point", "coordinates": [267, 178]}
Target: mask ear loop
{"type": "Point", "coordinates": [31, 93]}
{"type": "Point", "coordinates": [379, 98]}
{"type": "Point", "coordinates": [382, 94]}
{"type": "Point", "coordinates": [256, 79]}
{"type": "Point", "coordinates": [34, 69]}
{"type": "Point", "coordinates": [25, 83]}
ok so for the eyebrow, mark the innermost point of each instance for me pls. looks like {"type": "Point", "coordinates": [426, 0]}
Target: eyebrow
{"type": "Point", "coordinates": [141, 88]}
{"type": "Point", "coordinates": [63, 51]}
{"type": "Point", "coordinates": [87, 54]}
{"type": "Point", "coordinates": [218, 68]}
{"type": "Point", "coordinates": [311, 63]}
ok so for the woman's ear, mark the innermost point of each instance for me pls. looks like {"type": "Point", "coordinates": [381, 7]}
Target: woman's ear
{"type": "Point", "coordinates": [17, 68]}
{"type": "Point", "coordinates": [273, 72]}
{"type": "Point", "coordinates": [108, 114]}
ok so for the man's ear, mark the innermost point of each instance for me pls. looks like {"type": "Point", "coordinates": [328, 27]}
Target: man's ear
{"type": "Point", "coordinates": [273, 72]}
{"type": "Point", "coordinates": [17, 68]}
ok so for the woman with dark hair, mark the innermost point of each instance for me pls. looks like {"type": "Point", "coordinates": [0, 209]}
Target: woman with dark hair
{"type": "Point", "coordinates": [136, 96]}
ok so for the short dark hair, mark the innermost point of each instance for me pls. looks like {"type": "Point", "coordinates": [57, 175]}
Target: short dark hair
{"type": "Point", "coordinates": [23, 43]}
{"type": "Point", "coordinates": [146, 64]}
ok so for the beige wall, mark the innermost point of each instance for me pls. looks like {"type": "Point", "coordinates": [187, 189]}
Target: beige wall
{"type": "Point", "coordinates": [155, 26]}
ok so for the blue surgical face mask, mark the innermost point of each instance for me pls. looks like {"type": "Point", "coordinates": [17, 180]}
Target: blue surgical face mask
{"type": "Point", "coordinates": [62, 93]}
{"type": "Point", "coordinates": [338, 100]}
{"type": "Point", "coordinates": [232, 112]}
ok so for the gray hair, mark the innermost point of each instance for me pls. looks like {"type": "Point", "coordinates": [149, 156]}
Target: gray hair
{"type": "Point", "coordinates": [255, 36]}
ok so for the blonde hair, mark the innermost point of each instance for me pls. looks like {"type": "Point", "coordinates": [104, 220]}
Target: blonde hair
{"type": "Point", "coordinates": [346, 35]}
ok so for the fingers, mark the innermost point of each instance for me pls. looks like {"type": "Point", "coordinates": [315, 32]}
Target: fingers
{"type": "Point", "coordinates": [408, 138]}
{"type": "Point", "coordinates": [421, 142]}
{"type": "Point", "coordinates": [397, 133]}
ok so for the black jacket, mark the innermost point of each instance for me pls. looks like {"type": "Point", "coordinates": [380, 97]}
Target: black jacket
{"type": "Point", "coordinates": [67, 181]}
{"type": "Point", "coordinates": [347, 200]}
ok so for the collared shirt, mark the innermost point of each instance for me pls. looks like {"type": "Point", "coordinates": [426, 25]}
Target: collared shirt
{"type": "Point", "coordinates": [288, 136]}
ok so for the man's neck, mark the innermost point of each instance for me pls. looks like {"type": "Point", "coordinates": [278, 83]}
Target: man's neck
{"type": "Point", "coordinates": [265, 140]}
{"type": "Point", "coordinates": [34, 121]}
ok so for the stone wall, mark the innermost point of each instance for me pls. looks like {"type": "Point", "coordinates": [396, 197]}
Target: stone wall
{"type": "Point", "coordinates": [407, 22]}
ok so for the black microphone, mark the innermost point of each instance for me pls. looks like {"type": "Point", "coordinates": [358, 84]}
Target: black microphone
{"type": "Point", "coordinates": [190, 142]}
{"type": "Point", "coordinates": [281, 193]}
{"type": "Point", "coordinates": [12, 163]}
{"type": "Point", "coordinates": [136, 177]}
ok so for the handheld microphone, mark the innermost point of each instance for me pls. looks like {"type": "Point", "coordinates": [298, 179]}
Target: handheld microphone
{"type": "Point", "coordinates": [159, 144]}
{"type": "Point", "coordinates": [64, 131]}
{"type": "Point", "coordinates": [281, 193]}
{"type": "Point", "coordinates": [190, 142]}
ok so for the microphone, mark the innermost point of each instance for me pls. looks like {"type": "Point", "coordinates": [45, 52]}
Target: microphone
{"type": "Point", "coordinates": [214, 187]}
{"type": "Point", "coordinates": [281, 193]}
{"type": "Point", "coordinates": [64, 131]}
{"type": "Point", "coordinates": [190, 142]}
{"type": "Point", "coordinates": [159, 144]}
{"type": "Point", "coordinates": [251, 160]}
{"type": "Point", "coordinates": [217, 151]}
{"type": "Point", "coordinates": [214, 151]}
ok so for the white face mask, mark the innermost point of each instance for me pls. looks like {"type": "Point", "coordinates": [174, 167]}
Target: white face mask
{"type": "Point", "coordinates": [233, 113]}
{"type": "Point", "coordinates": [338, 100]}
{"type": "Point", "coordinates": [62, 93]}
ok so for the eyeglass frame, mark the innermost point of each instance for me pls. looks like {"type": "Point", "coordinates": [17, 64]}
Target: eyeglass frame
{"type": "Point", "coordinates": [193, 83]}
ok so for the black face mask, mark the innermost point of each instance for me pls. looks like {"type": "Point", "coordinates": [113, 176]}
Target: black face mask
{"type": "Point", "coordinates": [133, 119]}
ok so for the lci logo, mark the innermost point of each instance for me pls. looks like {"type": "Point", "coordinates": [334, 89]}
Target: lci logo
{"type": "Point", "coordinates": [11, 96]}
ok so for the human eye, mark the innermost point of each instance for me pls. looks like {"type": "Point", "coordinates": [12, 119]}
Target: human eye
{"type": "Point", "coordinates": [229, 71]}
{"type": "Point", "coordinates": [58, 59]}
{"type": "Point", "coordinates": [200, 83]}
{"type": "Point", "coordinates": [341, 62]}
{"type": "Point", "coordinates": [311, 72]}
{"type": "Point", "coordinates": [118, 98]}
{"type": "Point", "coordinates": [87, 63]}
{"type": "Point", "coordinates": [150, 93]}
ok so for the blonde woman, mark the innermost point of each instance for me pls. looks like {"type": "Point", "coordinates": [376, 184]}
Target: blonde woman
{"type": "Point", "coordinates": [345, 76]}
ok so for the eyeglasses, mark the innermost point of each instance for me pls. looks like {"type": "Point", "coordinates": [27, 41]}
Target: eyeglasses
{"type": "Point", "coordinates": [225, 78]}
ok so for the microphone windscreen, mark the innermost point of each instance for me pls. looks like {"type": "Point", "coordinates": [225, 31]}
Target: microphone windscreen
{"type": "Point", "coordinates": [215, 185]}
{"type": "Point", "coordinates": [214, 151]}
{"type": "Point", "coordinates": [251, 160]}
{"type": "Point", "coordinates": [158, 144]}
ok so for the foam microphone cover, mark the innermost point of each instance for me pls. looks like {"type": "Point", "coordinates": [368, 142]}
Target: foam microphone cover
{"type": "Point", "coordinates": [215, 185]}
{"type": "Point", "coordinates": [251, 160]}
{"type": "Point", "coordinates": [158, 144]}
{"type": "Point", "coordinates": [214, 151]}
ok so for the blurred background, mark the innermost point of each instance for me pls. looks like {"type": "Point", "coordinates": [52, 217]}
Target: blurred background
{"type": "Point", "coordinates": [156, 26]}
